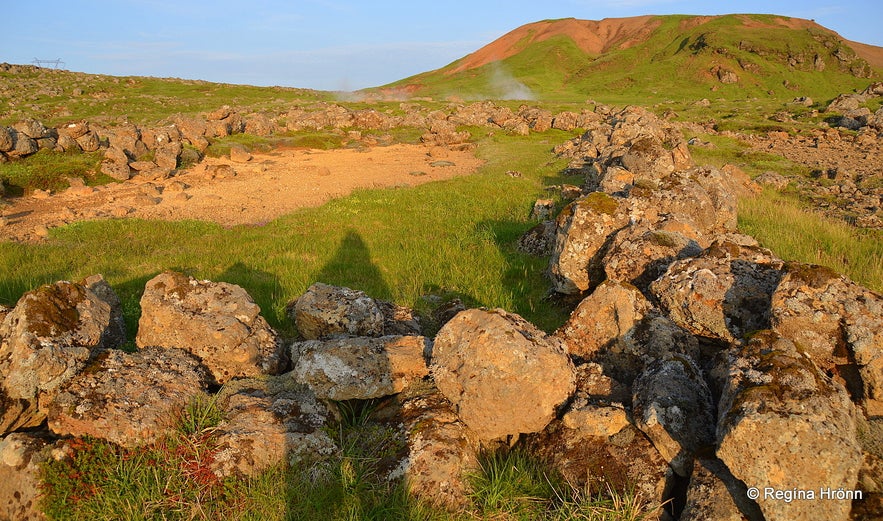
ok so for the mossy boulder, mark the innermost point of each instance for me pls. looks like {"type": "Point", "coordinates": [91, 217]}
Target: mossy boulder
{"type": "Point", "coordinates": [47, 339]}
{"type": "Point", "coordinates": [785, 425]}
{"type": "Point", "coordinates": [838, 324]}
{"type": "Point", "coordinates": [583, 230]}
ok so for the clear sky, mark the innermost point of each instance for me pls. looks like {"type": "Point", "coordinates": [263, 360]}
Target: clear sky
{"type": "Point", "coordinates": [329, 44]}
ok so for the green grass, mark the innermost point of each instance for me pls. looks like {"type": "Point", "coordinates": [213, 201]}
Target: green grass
{"type": "Point", "coordinates": [49, 97]}
{"type": "Point", "coordinates": [48, 170]}
{"type": "Point", "coordinates": [674, 63]}
{"type": "Point", "coordinates": [171, 480]}
{"type": "Point", "coordinates": [735, 152]}
{"type": "Point", "coordinates": [451, 238]}
{"type": "Point", "coordinates": [793, 232]}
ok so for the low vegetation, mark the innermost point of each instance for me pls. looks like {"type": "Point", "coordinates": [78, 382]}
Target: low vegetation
{"type": "Point", "coordinates": [772, 62]}
{"type": "Point", "coordinates": [450, 239]}
{"type": "Point", "coordinates": [795, 232]}
{"type": "Point", "coordinates": [172, 480]}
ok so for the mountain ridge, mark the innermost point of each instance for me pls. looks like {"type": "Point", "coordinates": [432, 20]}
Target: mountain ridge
{"type": "Point", "coordinates": [568, 58]}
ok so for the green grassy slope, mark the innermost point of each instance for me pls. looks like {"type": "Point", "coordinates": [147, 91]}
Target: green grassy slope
{"type": "Point", "coordinates": [679, 60]}
{"type": "Point", "coordinates": [56, 96]}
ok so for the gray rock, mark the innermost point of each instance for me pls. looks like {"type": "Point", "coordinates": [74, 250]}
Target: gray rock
{"type": "Point", "coordinates": [268, 421]}
{"type": "Point", "coordinates": [44, 342]}
{"type": "Point", "coordinates": [115, 333]}
{"type": "Point", "coordinates": [32, 128]}
{"type": "Point", "coordinates": [399, 320]}
{"type": "Point", "coordinates": [724, 294]}
{"type": "Point", "coordinates": [129, 399]}
{"type": "Point", "coordinates": [22, 145]}
{"type": "Point", "coordinates": [784, 425]}
{"type": "Point", "coordinates": [89, 142]}
{"type": "Point", "coordinates": [772, 179]}
{"type": "Point", "coordinates": [441, 451]}
{"type": "Point", "coordinates": [538, 240]}
{"type": "Point", "coordinates": [603, 319]}
{"type": "Point", "coordinates": [673, 406]}
{"type": "Point", "coordinates": [21, 486]}
{"type": "Point", "coordinates": [583, 228]}
{"type": "Point", "coordinates": [167, 155]}
{"type": "Point", "coordinates": [714, 494]}
{"type": "Point", "coordinates": [329, 311]}
{"type": "Point", "coordinates": [359, 368]}
{"type": "Point", "coordinates": [6, 140]}
{"type": "Point", "coordinates": [504, 375]}
{"type": "Point", "coordinates": [837, 323]}
{"type": "Point", "coordinates": [647, 158]}
{"type": "Point", "coordinates": [639, 256]}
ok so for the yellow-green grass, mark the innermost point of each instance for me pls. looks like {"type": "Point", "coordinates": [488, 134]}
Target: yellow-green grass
{"type": "Point", "coordinates": [450, 238]}
{"type": "Point", "coordinates": [794, 232]}
{"type": "Point", "coordinates": [171, 480]}
{"type": "Point", "coordinates": [55, 97]}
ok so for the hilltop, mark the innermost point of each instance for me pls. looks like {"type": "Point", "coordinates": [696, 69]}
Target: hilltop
{"type": "Point", "coordinates": [656, 57]}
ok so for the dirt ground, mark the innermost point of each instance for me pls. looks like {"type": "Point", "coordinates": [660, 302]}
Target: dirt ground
{"type": "Point", "coordinates": [253, 192]}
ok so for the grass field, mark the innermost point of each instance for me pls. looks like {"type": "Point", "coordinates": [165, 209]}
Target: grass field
{"type": "Point", "coordinates": [452, 238]}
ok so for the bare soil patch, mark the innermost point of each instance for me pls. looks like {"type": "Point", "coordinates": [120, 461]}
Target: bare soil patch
{"type": "Point", "coordinates": [253, 193]}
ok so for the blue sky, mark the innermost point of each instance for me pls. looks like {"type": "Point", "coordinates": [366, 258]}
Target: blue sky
{"type": "Point", "coordinates": [328, 44]}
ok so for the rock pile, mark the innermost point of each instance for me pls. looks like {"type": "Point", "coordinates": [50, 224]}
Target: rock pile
{"type": "Point", "coordinates": [155, 152]}
{"type": "Point", "coordinates": [697, 368]}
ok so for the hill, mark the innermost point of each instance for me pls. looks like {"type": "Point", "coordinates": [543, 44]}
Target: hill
{"type": "Point", "coordinates": [656, 57]}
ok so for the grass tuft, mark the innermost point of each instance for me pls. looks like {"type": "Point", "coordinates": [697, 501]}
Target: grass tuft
{"type": "Point", "coordinates": [794, 232]}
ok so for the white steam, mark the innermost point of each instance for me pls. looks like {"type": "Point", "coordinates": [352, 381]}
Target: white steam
{"type": "Point", "coordinates": [505, 86]}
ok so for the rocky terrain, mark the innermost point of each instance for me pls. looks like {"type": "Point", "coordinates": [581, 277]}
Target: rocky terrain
{"type": "Point", "coordinates": [697, 366]}
{"type": "Point", "coordinates": [248, 187]}
{"type": "Point", "coordinates": [846, 159]}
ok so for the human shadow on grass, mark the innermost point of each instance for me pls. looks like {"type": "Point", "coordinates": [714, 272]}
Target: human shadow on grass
{"type": "Point", "coordinates": [351, 266]}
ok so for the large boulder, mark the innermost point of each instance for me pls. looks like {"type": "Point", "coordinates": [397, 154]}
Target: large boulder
{"type": "Point", "coordinates": [602, 319]}
{"type": "Point", "coordinates": [267, 421]}
{"type": "Point", "coordinates": [360, 368]}
{"type": "Point", "coordinates": [673, 406]}
{"type": "Point", "coordinates": [168, 154]}
{"type": "Point", "coordinates": [785, 426]}
{"type": "Point", "coordinates": [128, 398]}
{"type": "Point", "coordinates": [22, 145]}
{"type": "Point", "coordinates": [218, 322]}
{"type": "Point", "coordinates": [504, 375]}
{"type": "Point", "coordinates": [326, 311]}
{"type": "Point", "coordinates": [639, 255]}
{"type": "Point", "coordinates": [681, 198]}
{"type": "Point", "coordinates": [838, 323]}
{"type": "Point", "coordinates": [441, 451]}
{"type": "Point", "coordinates": [33, 129]}
{"type": "Point", "coordinates": [647, 158]}
{"type": "Point", "coordinates": [583, 228]}
{"type": "Point", "coordinates": [723, 294]}
{"type": "Point", "coordinates": [45, 341]}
